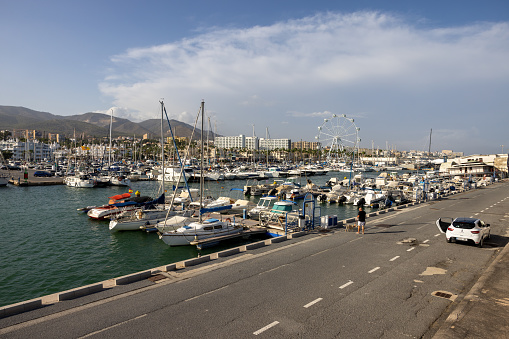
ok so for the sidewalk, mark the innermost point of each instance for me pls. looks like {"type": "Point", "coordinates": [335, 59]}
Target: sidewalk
{"type": "Point", "coordinates": [484, 312]}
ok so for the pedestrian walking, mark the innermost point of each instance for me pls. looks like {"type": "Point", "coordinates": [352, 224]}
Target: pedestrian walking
{"type": "Point", "coordinates": [361, 220]}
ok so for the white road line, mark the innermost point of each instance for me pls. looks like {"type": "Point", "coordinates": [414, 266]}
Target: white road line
{"type": "Point", "coordinates": [374, 269]}
{"type": "Point", "coordinates": [410, 249]}
{"type": "Point", "coordinates": [476, 214]}
{"type": "Point", "coordinates": [482, 211]}
{"type": "Point", "coordinates": [437, 235]}
{"type": "Point", "coordinates": [313, 302]}
{"type": "Point", "coordinates": [113, 326]}
{"type": "Point", "coordinates": [396, 257]}
{"type": "Point", "coordinates": [346, 285]}
{"type": "Point", "coordinates": [425, 241]}
{"type": "Point", "coordinates": [263, 329]}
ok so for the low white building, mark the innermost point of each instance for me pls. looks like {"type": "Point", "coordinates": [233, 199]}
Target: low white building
{"type": "Point", "coordinates": [477, 166]}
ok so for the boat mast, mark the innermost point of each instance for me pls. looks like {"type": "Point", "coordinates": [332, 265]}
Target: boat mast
{"type": "Point", "coordinates": [201, 159]}
{"type": "Point", "coordinates": [162, 143]}
{"type": "Point", "coordinates": [109, 153]}
{"type": "Point", "coordinates": [429, 148]}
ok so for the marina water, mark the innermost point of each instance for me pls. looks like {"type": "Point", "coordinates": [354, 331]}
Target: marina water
{"type": "Point", "coordinates": [47, 246]}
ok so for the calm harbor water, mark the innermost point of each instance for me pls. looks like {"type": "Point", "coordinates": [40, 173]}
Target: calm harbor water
{"type": "Point", "coordinates": [47, 246]}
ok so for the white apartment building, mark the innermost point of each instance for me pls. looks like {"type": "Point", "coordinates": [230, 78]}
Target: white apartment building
{"type": "Point", "coordinates": [271, 144]}
{"type": "Point", "coordinates": [31, 150]}
{"type": "Point", "coordinates": [237, 142]}
{"type": "Point", "coordinates": [243, 142]}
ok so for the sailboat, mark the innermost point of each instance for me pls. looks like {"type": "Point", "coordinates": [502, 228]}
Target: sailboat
{"type": "Point", "coordinates": [201, 229]}
{"type": "Point", "coordinates": [116, 179]}
{"type": "Point", "coordinates": [148, 219]}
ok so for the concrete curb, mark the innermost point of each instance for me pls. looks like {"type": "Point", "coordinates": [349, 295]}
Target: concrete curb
{"type": "Point", "coordinates": [20, 307]}
{"type": "Point", "coordinates": [461, 310]}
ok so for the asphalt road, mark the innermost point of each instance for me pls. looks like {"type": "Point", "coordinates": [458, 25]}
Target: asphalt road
{"type": "Point", "coordinates": [324, 285]}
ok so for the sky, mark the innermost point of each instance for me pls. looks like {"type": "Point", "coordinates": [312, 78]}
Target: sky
{"type": "Point", "coordinates": [394, 71]}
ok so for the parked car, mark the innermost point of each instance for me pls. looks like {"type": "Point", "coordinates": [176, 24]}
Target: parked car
{"type": "Point", "coordinates": [465, 229]}
{"type": "Point", "coordinates": [42, 174]}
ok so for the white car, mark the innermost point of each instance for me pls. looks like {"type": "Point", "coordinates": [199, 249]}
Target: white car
{"type": "Point", "coordinates": [464, 229]}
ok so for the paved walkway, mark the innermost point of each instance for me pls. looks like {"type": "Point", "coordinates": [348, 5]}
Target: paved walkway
{"type": "Point", "coordinates": [484, 312]}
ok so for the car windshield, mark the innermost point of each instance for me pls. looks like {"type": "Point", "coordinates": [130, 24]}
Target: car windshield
{"type": "Point", "coordinates": [466, 225]}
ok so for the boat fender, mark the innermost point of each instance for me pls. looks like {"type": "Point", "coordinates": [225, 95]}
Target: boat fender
{"type": "Point", "coordinates": [228, 220]}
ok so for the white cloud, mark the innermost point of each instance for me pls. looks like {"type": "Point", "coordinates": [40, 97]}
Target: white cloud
{"type": "Point", "coordinates": [341, 63]}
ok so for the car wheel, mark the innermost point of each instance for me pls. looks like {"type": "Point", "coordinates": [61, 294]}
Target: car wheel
{"type": "Point", "coordinates": [448, 239]}
{"type": "Point", "coordinates": [480, 244]}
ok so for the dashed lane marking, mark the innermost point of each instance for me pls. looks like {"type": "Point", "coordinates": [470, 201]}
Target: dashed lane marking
{"type": "Point", "coordinates": [410, 249]}
{"type": "Point", "coordinates": [437, 235]}
{"type": "Point", "coordinates": [396, 257]}
{"type": "Point", "coordinates": [425, 241]}
{"type": "Point", "coordinates": [374, 269]}
{"type": "Point", "coordinates": [263, 329]}
{"type": "Point", "coordinates": [346, 285]}
{"type": "Point", "coordinates": [113, 326]}
{"type": "Point", "coordinates": [313, 302]}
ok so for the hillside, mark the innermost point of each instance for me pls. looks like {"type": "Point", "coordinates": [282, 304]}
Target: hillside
{"type": "Point", "coordinates": [90, 124]}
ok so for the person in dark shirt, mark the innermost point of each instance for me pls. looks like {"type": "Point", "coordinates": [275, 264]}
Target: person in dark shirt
{"type": "Point", "coordinates": [361, 220]}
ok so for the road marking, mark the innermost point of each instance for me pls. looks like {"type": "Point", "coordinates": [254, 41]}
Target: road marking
{"type": "Point", "coordinates": [437, 235]}
{"type": "Point", "coordinates": [113, 326]}
{"type": "Point", "coordinates": [396, 257]}
{"type": "Point", "coordinates": [482, 211]}
{"type": "Point", "coordinates": [425, 241]}
{"type": "Point", "coordinates": [410, 249]}
{"type": "Point", "coordinates": [401, 223]}
{"type": "Point", "coordinates": [201, 295]}
{"type": "Point", "coordinates": [313, 302]}
{"type": "Point", "coordinates": [374, 269]}
{"type": "Point", "coordinates": [491, 206]}
{"type": "Point", "coordinates": [263, 329]}
{"type": "Point", "coordinates": [346, 285]}
{"type": "Point", "coordinates": [476, 214]}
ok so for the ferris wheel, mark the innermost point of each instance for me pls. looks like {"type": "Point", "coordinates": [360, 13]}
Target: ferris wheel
{"type": "Point", "coordinates": [339, 136]}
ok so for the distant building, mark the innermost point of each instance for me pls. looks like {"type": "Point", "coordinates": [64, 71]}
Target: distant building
{"type": "Point", "coordinates": [272, 144]}
{"type": "Point", "coordinates": [251, 143]}
{"type": "Point", "coordinates": [306, 145]}
{"type": "Point", "coordinates": [477, 166]}
{"type": "Point", "coordinates": [31, 150]}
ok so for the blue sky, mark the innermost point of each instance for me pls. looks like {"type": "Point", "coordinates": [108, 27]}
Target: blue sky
{"type": "Point", "coordinates": [398, 68]}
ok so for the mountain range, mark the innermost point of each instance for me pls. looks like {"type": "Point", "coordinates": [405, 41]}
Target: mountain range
{"type": "Point", "coordinates": [89, 124]}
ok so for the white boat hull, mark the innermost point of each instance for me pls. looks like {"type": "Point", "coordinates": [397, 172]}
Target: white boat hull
{"type": "Point", "coordinates": [185, 238]}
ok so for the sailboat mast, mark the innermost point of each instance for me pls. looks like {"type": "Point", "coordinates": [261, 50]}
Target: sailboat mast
{"type": "Point", "coordinates": [201, 158]}
{"type": "Point", "coordinates": [162, 143]}
{"type": "Point", "coordinates": [109, 153]}
{"type": "Point", "coordinates": [429, 148]}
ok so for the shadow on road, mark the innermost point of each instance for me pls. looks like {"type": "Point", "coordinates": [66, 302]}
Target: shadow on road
{"type": "Point", "coordinates": [496, 241]}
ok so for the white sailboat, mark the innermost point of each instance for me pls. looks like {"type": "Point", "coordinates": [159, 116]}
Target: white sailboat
{"type": "Point", "coordinates": [201, 229]}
